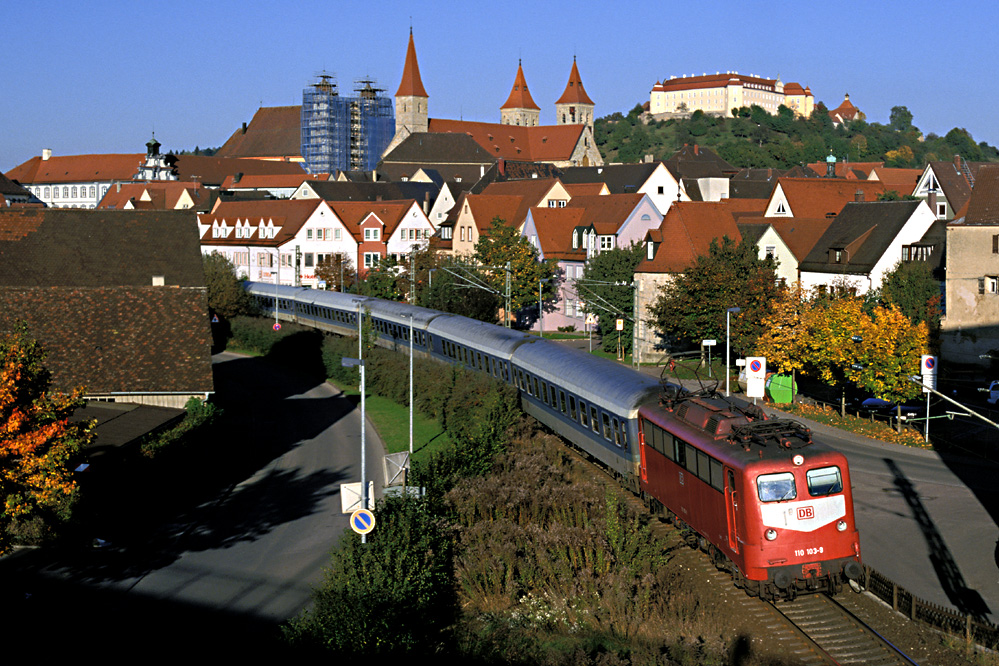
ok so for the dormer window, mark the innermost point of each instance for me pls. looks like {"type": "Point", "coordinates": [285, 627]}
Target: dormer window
{"type": "Point", "coordinates": [575, 240]}
{"type": "Point", "coordinates": [650, 250]}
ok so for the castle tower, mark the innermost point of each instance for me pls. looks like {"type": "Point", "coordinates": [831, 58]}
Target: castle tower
{"type": "Point", "coordinates": [520, 108]}
{"type": "Point", "coordinates": [574, 107]}
{"type": "Point", "coordinates": [411, 114]}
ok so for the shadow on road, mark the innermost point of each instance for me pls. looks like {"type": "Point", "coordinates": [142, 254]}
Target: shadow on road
{"type": "Point", "coordinates": [952, 581]}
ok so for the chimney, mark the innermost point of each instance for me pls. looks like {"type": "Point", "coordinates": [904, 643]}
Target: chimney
{"type": "Point", "coordinates": [931, 200]}
{"type": "Point", "coordinates": [46, 154]}
{"type": "Point", "coordinates": [426, 203]}
{"type": "Point", "coordinates": [957, 162]}
{"type": "Point", "coordinates": [502, 166]}
{"type": "Point", "coordinates": [648, 158]}
{"type": "Point", "coordinates": [238, 177]}
{"type": "Point", "coordinates": [697, 149]}
{"type": "Point", "coordinates": [244, 128]}
{"type": "Point", "coordinates": [117, 187]}
{"type": "Point", "coordinates": [858, 195]}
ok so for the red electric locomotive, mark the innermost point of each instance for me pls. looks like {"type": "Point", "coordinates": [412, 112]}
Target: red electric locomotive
{"type": "Point", "coordinates": [768, 503]}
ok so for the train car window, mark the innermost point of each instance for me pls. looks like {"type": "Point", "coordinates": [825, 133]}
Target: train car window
{"type": "Point", "coordinates": [478, 359]}
{"type": "Point", "coordinates": [717, 475]}
{"type": "Point", "coordinates": [824, 481]}
{"type": "Point", "coordinates": [536, 391]}
{"type": "Point", "coordinates": [583, 416]}
{"type": "Point", "coordinates": [691, 457]}
{"type": "Point", "coordinates": [561, 401]}
{"type": "Point", "coordinates": [608, 435]}
{"type": "Point", "coordinates": [544, 392]}
{"type": "Point", "coordinates": [654, 436]}
{"type": "Point", "coordinates": [679, 453]}
{"type": "Point", "coordinates": [617, 433]}
{"type": "Point", "coordinates": [624, 435]}
{"type": "Point", "coordinates": [776, 487]}
{"type": "Point", "coordinates": [572, 407]}
{"type": "Point", "coordinates": [506, 372]}
{"type": "Point", "coordinates": [594, 422]}
{"type": "Point", "coordinates": [554, 402]}
{"type": "Point", "coordinates": [703, 466]}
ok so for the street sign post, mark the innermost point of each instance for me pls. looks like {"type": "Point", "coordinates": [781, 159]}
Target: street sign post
{"type": "Point", "coordinates": [928, 366]}
{"type": "Point", "coordinates": [756, 375]}
{"type": "Point", "coordinates": [709, 344]}
{"type": "Point", "coordinates": [362, 521]}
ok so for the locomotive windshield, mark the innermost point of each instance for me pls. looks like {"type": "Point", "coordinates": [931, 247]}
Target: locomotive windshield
{"type": "Point", "coordinates": [824, 481]}
{"type": "Point", "coordinates": [776, 487]}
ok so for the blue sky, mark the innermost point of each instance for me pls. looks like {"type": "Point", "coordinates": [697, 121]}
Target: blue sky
{"type": "Point", "coordinates": [100, 76]}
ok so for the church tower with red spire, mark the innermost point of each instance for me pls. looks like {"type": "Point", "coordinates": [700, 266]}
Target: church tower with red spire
{"type": "Point", "coordinates": [574, 107]}
{"type": "Point", "coordinates": [411, 113]}
{"type": "Point", "coordinates": [520, 108]}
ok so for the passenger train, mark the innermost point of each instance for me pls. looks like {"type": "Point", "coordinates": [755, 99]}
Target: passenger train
{"type": "Point", "coordinates": [767, 502]}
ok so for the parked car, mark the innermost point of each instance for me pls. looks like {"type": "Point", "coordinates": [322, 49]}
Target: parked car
{"type": "Point", "coordinates": [992, 391]}
{"type": "Point", "coordinates": [888, 408]}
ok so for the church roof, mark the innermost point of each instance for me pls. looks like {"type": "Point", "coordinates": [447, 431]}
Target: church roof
{"type": "Point", "coordinates": [520, 96]}
{"type": "Point", "coordinates": [540, 143]}
{"type": "Point", "coordinates": [574, 92]}
{"type": "Point", "coordinates": [411, 84]}
{"type": "Point", "coordinates": [274, 132]}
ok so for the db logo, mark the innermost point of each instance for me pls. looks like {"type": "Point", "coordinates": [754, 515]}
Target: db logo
{"type": "Point", "coordinates": [805, 512]}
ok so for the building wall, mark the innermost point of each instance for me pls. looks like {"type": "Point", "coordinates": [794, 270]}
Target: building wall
{"type": "Point", "coordinates": [720, 97]}
{"type": "Point", "coordinates": [971, 324]}
{"type": "Point", "coordinates": [649, 285]}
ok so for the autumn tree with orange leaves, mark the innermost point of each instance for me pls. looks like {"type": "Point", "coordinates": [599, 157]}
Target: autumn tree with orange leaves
{"type": "Point", "coordinates": [37, 442]}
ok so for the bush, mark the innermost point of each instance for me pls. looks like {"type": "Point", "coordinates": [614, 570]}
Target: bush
{"type": "Point", "coordinates": [199, 414]}
{"type": "Point", "coordinates": [394, 595]}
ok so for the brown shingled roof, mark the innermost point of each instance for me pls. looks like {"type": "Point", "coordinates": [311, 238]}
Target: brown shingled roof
{"type": "Point", "coordinates": [520, 96]}
{"type": "Point", "coordinates": [274, 132]}
{"type": "Point", "coordinates": [289, 214]}
{"type": "Point", "coordinates": [555, 227]}
{"type": "Point", "coordinates": [352, 213]}
{"type": "Point", "coordinates": [606, 212]}
{"type": "Point", "coordinates": [983, 207]}
{"type": "Point", "coordinates": [77, 168]}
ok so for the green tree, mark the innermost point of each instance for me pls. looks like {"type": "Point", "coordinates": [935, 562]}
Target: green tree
{"type": "Point", "coordinates": [911, 287]}
{"type": "Point", "coordinates": [38, 444]}
{"type": "Point", "coordinates": [387, 279]}
{"type": "Point", "coordinates": [606, 289]}
{"type": "Point", "coordinates": [504, 244]}
{"type": "Point", "coordinates": [693, 305]}
{"type": "Point", "coordinates": [785, 331]}
{"type": "Point", "coordinates": [226, 296]}
{"type": "Point", "coordinates": [337, 271]}
{"type": "Point", "coordinates": [900, 118]}
{"type": "Point", "coordinates": [448, 292]}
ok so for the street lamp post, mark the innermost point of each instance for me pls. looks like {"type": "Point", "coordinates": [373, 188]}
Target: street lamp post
{"type": "Point", "coordinates": [728, 346]}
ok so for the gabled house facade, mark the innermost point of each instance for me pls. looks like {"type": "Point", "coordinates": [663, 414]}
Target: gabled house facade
{"type": "Point", "coordinates": [946, 186]}
{"type": "Point", "coordinates": [818, 198]}
{"type": "Point", "coordinates": [864, 243]}
{"type": "Point", "coordinates": [650, 178]}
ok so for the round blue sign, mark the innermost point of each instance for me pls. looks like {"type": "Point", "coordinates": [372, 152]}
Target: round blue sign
{"type": "Point", "coordinates": [755, 366]}
{"type": "Point", "coordinates": [362, 521]}
{"type": "Point", "coordinates": [930, 362]}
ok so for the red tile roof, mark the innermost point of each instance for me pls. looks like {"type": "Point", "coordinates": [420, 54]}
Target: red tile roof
{"type": "Point", "coordinates": [574, 92]}
{"type": "Point", "coordinates": [903, 181]}
{"type": "Point", "coordinates": [819, 197]}
{"type": "Point", "coordinates": [799, 234]}
{"type": "Point", "coordinates": [554, 227]}
{"type": "Point", "coordinates": [533, 188]}
{"type": "Point", "coordinates": [352, 213]}
{"type": "Point", "coordinates": [271, 180]}
{"type": "Point", "coordinates": [843, 169]}
{"type": "Point", "coordinates": [606, 212]}
{"type": "Point", "coordinates": [520, 96]}
{"type": "Point", "coordinates": [846, 110]}
{"type": "Point", "coordinates": [687, 232]}
{"type": "Point", "coordinates": [213, 170]}
{"type": "Point", "coordinates": [510, 208]}
{"type": "Point", "coordinates": [163, 195]}
{"type": "Point", "coordinates": [77, 168]}
{"type": "Point", "coordinates": [541, 143]}
{"type": "Point", "coordinates": [411, 84]}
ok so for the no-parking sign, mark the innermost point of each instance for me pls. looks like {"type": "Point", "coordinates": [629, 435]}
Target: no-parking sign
{"type": "Point", "coordinates": [928, 367]}
{"type": "Point", "coordinates": [756, 375]}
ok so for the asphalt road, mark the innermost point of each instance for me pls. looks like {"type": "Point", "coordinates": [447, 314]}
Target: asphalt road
{"type": "Point", "coordinates": [221, 576]}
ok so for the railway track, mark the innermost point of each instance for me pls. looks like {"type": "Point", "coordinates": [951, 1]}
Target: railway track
{"type": "Point", "coordinates": [839, 633]}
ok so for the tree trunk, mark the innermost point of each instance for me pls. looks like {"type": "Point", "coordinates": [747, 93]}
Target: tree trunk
{"type": "Point", "coordinates": [842, 403]}
{"type": "Point", "coordinates": [899, 419]}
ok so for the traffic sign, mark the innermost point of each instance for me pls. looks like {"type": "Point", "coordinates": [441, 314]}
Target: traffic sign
{"type": "Point", "coordinates": [756, 375]}
{"type": "Point", "coordinates": [620, 324]}
{"type": "Point", "coordinates": [928, 366]}
{"type": "Point", "coordinates": [362, 521]}
{"type": "Point", "coordinates": [709, 343]}
{"type": "Point", "coordinates": [276, 326]}
{"type": "Point", "coordinates": [215, 319]}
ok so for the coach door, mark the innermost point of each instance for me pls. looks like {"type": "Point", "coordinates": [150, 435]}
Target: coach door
{"type": "Point", "coordinates": [732, 510]}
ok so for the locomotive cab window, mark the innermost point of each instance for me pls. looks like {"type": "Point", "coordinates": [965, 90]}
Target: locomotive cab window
{"type": "Point", "coordinates": [776, 487]}
{"type": "Point", "coordinates": [824, 481]}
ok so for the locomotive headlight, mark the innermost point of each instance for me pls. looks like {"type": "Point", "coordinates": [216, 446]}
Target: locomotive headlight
{"type": "Point", "coordinates": [770, 534]}
{"type": "Point", "coordinates": [798, 459]}
{"type": "Point", "coordinates": [841, 525]}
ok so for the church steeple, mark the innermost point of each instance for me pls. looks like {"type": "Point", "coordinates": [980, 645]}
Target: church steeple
{"type": "Point", "coordinates": [519, 108]}
{"type": "Point", "coordinates": [574, 107]}
{"type": "Point", "coordinates": [411, 99]}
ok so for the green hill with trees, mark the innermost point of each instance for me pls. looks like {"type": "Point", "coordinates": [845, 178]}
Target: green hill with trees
{"type": "Point", "coordinates": [756, 139]}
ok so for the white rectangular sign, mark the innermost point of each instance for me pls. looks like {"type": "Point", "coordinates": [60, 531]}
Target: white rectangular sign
{"type": "Point", "coordinates": [928, 368]}
{"type": "Point", "coordinates": [709, 343]}
{"type": "Point", "coordinates": [350, 496]}
{"type": "Point", "coordinates": [756, 375]}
